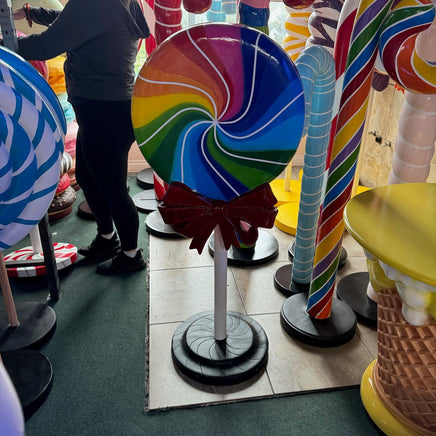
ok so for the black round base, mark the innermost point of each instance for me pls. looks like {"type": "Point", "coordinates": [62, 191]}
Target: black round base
{"type": "Point", "coordinates": [31, 374]}
{"type": "Point", "coordinates": [284, 283]}
{"type": "Point", "coordinates": [336, 330]}
{"type": "Point", "coordinates": [352, 290]}
{"type": "Point", "coordinates": [84, 211]}
{"type": "Point", "coordinates": [265, 250]}
{"type": "Point", "coordinates": [342, 256]}
{"type": "Point", "coordinates": [145, 201]}
{"type": "Point", "coordinates": [144, 178]}
{"type": "Point", "coordinates": [156, 226]}
{"type": "Point", "coordinates": [36, 322]}
{"type": "Point", "coordinates": [198, 355]}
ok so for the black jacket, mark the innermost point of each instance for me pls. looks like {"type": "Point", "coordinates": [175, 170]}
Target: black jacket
{"type": "Point", "coordinates": [100, 38]}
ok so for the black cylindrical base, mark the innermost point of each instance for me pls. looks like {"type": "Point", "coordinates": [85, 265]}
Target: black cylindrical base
{"type": "Point", "coordinates": [31, 374]}
{"type": "Point", "coordinates": [336, 330]}
{"type": "Point", "coordinates": [265, 250]}
{"type": "Point", "coordinates": [284, 283]}
{"type": "Point", "coordinates": [352, 290]}
{"type": "Point", "coordinates": [36, 322]}
{"type": "Point", "coordinates": [201, 357]}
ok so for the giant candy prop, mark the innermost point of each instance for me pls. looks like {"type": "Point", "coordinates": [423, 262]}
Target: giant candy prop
{"type": "Point", "coordinates": [414, 145]}
{"type": "Point", "coordinates": [351, 117]}
{"type": "Point", "coordinates": [363, 50]}
{"type": "Point", "coordinates": [168, 18]}
{"type": "Point", "coordinates": [230, 122]}
{"type": "Point", "coordinates": [33, 131]}
{"type": "Point", "coordinates": [297, 31]}
{"type": "Point", "coordinates": [218, 111]}
{"type": "Point", "coordinates": [395, 226]}
{"type": "Point", "coordinates": [323, 23]}
{"type": "Point", "coordinates": [316, 68]}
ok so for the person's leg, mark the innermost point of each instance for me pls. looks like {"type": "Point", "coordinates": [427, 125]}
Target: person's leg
{"type": "Point", "coordinates": [85, 176]}
{"type": "Point", "coordinates": [108, 141]}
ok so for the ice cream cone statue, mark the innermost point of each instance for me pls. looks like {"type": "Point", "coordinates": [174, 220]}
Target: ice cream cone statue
{"type": "Point", "coordinates": [399, 388]}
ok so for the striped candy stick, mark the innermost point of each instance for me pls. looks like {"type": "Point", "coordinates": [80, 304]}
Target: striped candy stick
{"type": "Point", "coordinates": [317, 71]}
{"type": "Point", "coordinates": [303, 262]}
{"type": "Point", "coordinates": [168, 18]}
{"type": "Point", "coordinates": [323, 23]}
{"type": "Point", "coordinates": [340, 53]}
{"type": "Point", "coordinates": [345, 150]}
{"type": "Point", "coordinates": [297, 31]}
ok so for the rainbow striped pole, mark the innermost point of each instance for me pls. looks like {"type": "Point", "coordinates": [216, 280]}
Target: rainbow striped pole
{"type": "Point", "coordinates": [351, 118]}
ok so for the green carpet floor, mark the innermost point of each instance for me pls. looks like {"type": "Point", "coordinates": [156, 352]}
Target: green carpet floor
{"type": "Point", "coordinates": [98, 354]}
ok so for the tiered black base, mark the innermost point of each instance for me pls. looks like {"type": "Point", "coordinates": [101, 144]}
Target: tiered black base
{"type": "Point", "coordinates": [342, 256]}
{"type": "Point", "coordinates": [336, 330]}
{"type": "Point", "coordinates": [144, 178]}
{"type": "Point", "coordinates": [36, 322]}
{"type": "Point", "coordinates": [284, 283]}
{"type": "Point", "coordinates": [265, 250]}
{"type": "Point", "coordinates": [156, 226]}
{"type": "Point", "coordinates": [352, 290]}
{"type": "Point", "coordinates": [199, 356]}
{"type": "Point", "coordinates": [31, 374]}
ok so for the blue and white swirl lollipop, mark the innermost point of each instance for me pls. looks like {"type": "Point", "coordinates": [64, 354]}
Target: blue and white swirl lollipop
{"type": "Point", "coordinates": [32, 130]}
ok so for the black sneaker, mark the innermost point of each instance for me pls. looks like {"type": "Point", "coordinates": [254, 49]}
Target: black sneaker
{"type": "Point", "coordinates": [101, 248]}
{"type": "Point", "coordinates": [122, 263]}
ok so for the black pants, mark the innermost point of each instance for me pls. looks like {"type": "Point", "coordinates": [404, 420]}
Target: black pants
{"type": "Point", "coordinates": [104, 139]}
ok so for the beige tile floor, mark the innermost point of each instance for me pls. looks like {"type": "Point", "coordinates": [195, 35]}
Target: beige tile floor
{"type": "Point", "coordinates": [181, 284]}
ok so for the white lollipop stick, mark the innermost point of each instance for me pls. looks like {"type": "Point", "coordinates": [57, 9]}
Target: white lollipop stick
{"type": "Point", "coordinates": [7, 294]}
{"type": "Point", "coordinates": [35, 239]}
{"type": "Point", "coordinates": [220, 261]}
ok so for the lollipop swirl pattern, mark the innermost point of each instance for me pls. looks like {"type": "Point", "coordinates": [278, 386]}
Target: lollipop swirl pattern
{"type": "Point", "coordinates": [32, 129]}
{"type": "Point", "coordinates": [230, 122]}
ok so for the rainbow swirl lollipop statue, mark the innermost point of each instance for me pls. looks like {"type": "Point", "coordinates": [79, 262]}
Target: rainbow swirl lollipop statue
{"type": "Point", "coordinates": [218, 112]}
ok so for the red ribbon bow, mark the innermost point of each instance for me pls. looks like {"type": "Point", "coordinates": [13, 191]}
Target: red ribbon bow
{"type": "Point", "coordinates": [195, 216]}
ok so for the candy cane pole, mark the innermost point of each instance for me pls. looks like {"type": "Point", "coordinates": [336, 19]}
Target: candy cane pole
{"type": "Point", "coordinates": [317, 72]}
{"type": "Point", "coordinates": [168, 18]}
{"type": "Point", "coordinates": [296, 26]}
{"type": "Point", "coordinates": [345, 150]}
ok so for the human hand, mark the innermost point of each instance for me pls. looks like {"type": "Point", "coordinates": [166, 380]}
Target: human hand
{"type": "Point", "coordinates": [19, 14]}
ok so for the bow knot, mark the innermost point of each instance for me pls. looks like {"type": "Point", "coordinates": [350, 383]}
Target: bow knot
{"type": "Point", "coordinates": [195, 216]}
